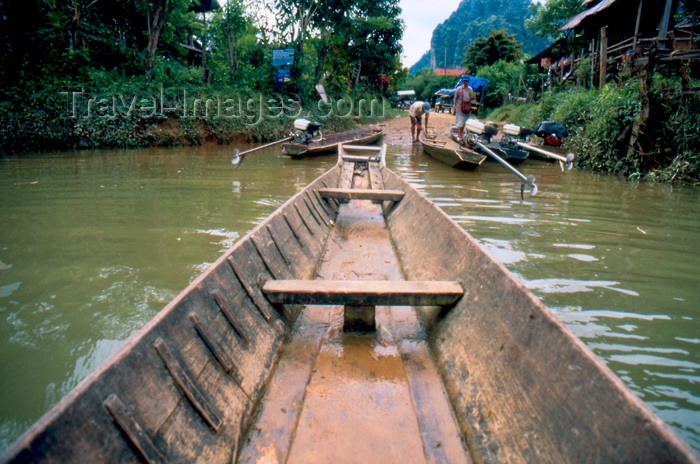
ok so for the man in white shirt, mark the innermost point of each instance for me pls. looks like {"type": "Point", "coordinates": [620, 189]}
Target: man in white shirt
{"type": "Point", "coordinates": [416, 112]}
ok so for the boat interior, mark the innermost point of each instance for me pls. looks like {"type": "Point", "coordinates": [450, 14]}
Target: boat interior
{"type": "Point", "coordinates": [357, 323]}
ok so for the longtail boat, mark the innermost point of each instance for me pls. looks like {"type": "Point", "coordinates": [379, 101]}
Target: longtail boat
{"type": "Point", "coordinates": [328, 144]}
{"type": "Point", "coordinates": [357, 323]}
{"type": "Point", "coordinates": [450, 152]}
{"type": "Point", "coordinates": [511, 154]}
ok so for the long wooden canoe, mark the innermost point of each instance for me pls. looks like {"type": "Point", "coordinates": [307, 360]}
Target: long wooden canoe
{"type": "Point", "coordinates": [450, 152]}
{"type": "Point", "coordinates": [329, 143]}
{"type": "Point", "coordinates": [357, 323]}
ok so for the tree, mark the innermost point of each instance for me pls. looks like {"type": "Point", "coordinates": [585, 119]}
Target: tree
{"type": "Point", "coordinates": [551, 15]}
{"type": "Point", "coordinates": [158, 12]}
{"type": "Point", "coordinates": [485, 51]}
{"type": "Point", "coordinates": [474, 19]}
{"type": "Point", "coordinates": [232, 23]}
{"type": "Point", "coordinates": [341, 42]}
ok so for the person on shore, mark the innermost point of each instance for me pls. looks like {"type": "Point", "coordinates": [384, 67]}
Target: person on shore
{"type": "Point", "coordinates": [416, 112]}
{"type": "Point", "coordinates": [463, 105]}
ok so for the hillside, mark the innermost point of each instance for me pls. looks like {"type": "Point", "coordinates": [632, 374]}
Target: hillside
{"type": "Point", "coordinates": [474, 19]}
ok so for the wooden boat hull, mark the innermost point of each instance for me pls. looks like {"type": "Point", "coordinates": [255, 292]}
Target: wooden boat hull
{"type": "Point", "coordinates": [224, 375]}
{"type": "Point", "coordinates": [329, 145]}
{"type": "Point", "coordinates": [511, 155]}
{"type": "Point", "coordinates": [451, 153]}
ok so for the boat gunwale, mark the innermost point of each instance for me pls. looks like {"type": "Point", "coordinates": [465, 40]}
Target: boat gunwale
{"type": "Point", "coordinates": [131, 344]}
{"type": "Point", "coordinates": [640, 409]}
{"type": "Point", "coordinates": [299, 150]}
{"type": "Point", "coordinates": [452, 153]}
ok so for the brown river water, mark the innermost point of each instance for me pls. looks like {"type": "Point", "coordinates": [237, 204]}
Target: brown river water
{"type": "Point", "coordinates": [94, 244]}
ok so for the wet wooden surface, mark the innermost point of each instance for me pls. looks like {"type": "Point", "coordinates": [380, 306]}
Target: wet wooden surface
{"type": "Point", "coordinates": [522, 386]}
{"type": "Point", "coordinates": [201, 382]}
{"type": "Point", "coordinates": [366, 292]}
{"type": "Point", "coordinates": [184, 388]}
{"type": "Point", "coordinates": [344, 397]}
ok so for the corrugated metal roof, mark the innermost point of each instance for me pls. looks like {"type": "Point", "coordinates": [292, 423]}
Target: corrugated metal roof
{"type": "Point", "coordinates": [576, 20]}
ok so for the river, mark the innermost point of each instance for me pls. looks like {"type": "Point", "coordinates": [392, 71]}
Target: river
{"type": "Point", "coordinates": [93, 244]}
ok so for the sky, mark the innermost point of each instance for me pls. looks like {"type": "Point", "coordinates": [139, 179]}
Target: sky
{"type": "Point", "coordinates": [420, 18]}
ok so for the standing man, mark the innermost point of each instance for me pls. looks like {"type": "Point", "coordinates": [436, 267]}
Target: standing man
{"type": "Point", "coordinates": [416, 112]}
{"type": "Point", "coordinates": [463, 105]}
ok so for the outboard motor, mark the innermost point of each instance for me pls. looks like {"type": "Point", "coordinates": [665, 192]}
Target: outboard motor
{"type": "Point", "coordinates": [477, 130]}
{"type": "Point", "coordinates": [516, 137]}
{"type": "Point", "coordinates": [513, 134]}
{"type": "Point", "coordinates": [479, 135]}
{"type": "Point", "coordinates": [306, 131]}
{"type": "Point", "coordinates": [552, 132]}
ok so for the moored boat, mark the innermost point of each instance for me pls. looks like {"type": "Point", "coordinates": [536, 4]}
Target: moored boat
{"type": "Point", "coordinates": [328, 144]}
{"type": "Point", "coordinates": [357, 323]}
{"type": "Point", "coordinates": [513, 155]}
{"type": "Point", "coordinates": [450, 152]}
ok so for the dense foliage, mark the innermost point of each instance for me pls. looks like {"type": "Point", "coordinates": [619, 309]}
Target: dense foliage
{"type": "Point", "coordinates": [600, 124]}
{"type": "Point", "coordinates": [426, 82]}
{"type": "Point", "coordinates": [551, 15]}
{"type": "Point", "coordinates": [475, 19]}
{"type": "Point", "coordinates": [512, 79]}
{"type": "Point", "coordinates": [121, 55]}
{"type": "Point", "coordinates": [497, 46]}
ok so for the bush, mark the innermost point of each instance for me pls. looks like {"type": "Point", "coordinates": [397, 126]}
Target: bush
{"type": "Point", "coordinates": [32, 120]}
{"type": "Point", "coordinates": [601, 125]}
{"type": "Point", "coordinates": [507, 78]}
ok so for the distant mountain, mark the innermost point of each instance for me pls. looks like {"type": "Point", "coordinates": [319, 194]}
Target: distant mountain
{"type": "Point", "coordinates": [474, 19]}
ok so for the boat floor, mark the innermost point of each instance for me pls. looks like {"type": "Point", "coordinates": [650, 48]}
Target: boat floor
{"type": "Point", "coordinates": [356, 397]}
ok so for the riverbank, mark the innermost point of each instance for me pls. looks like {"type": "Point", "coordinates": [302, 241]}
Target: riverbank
{"type": "Point", "coordinates": [397, 130]}
{"type": "Point", "coordinates": [57, 120]}
{"type": "Point", "coordinates": [652, 135]}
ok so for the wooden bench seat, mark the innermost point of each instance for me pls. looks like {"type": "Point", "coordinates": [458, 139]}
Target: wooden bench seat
{"type": "Point", "coordinates": [363, 292]}
{"type": "Point", "coordinates": [362, 194]}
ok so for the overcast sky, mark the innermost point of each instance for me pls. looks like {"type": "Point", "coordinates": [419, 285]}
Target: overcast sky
{"type": "Point", "coordinates": [420, 18]}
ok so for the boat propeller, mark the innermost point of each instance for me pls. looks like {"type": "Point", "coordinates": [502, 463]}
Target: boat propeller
{"type": "Point", "coordinates": [530, 180]}
{"type": "Point", "coordinates": [236, 161]}
{"type": "Point", "coordinates": [238, 156]}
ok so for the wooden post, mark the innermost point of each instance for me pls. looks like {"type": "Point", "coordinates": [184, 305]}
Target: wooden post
{"type": "Point", "coordinates": [603, 56]}
{"type": "Point", "coordinates": [663, 26]}
{"type": "Point", "coordinates": [594, 54]}
{"type": "Point", "coordinates": [359, 318]}
{"type": "Point", "coordinates": [636, 27]}
{"type": "Point", "coordinates": [573, 59]}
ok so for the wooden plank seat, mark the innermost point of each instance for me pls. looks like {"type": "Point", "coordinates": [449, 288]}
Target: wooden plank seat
{"type": "Point", "coordinates": [362, 194]}
{"type": "Point", "coordinates": [361, 158]}
{"type": "Point", "coordinates": [363, 292]}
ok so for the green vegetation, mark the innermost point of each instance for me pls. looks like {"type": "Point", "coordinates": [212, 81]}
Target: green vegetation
{"type": "Point", "coordinates": [475, 19]}
{"type": "Point", "coordinates": [498, 46]}
{"type": "Point", "coordinates": [601, 123]}
{"type": "Point", "coordinates": [551, 15]}
{"type": "Point", "coordinates": [426, 82]}
{"type": "Point", "coordinates": [91, 74]}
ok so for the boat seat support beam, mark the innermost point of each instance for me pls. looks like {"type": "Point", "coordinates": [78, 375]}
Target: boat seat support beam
{"type": "Point", "coordinates": [363, 292]}
{"type": "Point", "coordinates": [359, 318]}
{"type": "Point", "coordinates": [362, 194]}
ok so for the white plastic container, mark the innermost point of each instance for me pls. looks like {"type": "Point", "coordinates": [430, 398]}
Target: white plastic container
{"type": "Point", "coordinates": [511, 129]}
{"type": "Point", "coordinates": [301, 124]}
{"type": "Point", "coordinates": [475, 126]}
